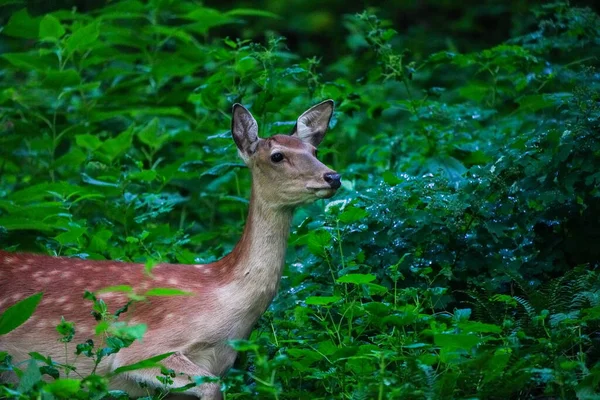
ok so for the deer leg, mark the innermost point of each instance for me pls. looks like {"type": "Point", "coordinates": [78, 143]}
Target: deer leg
{"type": "Point", "coordinates": [179, 363]}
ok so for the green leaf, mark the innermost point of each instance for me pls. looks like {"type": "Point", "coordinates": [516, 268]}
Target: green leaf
{"type": "Point", "coordinates": [356, 279]}
{"type": "Point", "coordinates": [243, 345]}
{"type": "Point", "coordinates": [536, 102]}
{"type": "Point", "coordinates": [18, 313]}
{"type": "Point", "coordinates": [71, 237]}
{"type": "Point", "coordinates": [453, 168]}
{"type": "Point", "coordinates": [321, 300]}
{"type": "Point", "coordinates": [87, 141]}
{"type": "Point", "coordinates": [352, 214]}
{"type": "Point", "coordinates": [131, 332]}
{"type": "Point", "coordinates": [146, 176]}
{"type": "Point", "coordinates": [222, 168]}
{"type": "Point", "coordinates": [83, 37]}
{"type": "Point", "coordinates": [63, 388]}
{"type": "Point", "coordinates": [115, 147]}
{"type": "Point", "coordinates": [167, 292]}
{"type": "Point", "coordinates": [50, 27]}
{"type": "Point", "coordinates": [22, 25]}
{"type": "Point", "coordinates": [62, 79]}
{"type": "Point", "coordinates": [11, 223]}
{"type": "Point", "coordinates": [31, 376]}
{"type": "Point", "coordinates": [151, 362]}
{"type": "Point", "coordinates": [458, 341]}
{"type": "Point", "coordinates": [151, 136]}
{"type": "Point", "coordinates": [28, 61]}
{"type": "Point", "coordinates": [251, 12]}
{"type": "Point", "coordinates": [205, 18]}
{"type": "Point", "coordinates": [479, 327]}
{"type": "Point", "coordinates": [319, 241]}
{"type": "Point", "coordinates": [390, 178]}
{"type": "Point", "coordinates": [116, 288]}
{"type": "Point", "coordinates": [245, 65]}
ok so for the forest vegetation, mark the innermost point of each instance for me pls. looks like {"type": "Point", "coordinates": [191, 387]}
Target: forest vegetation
{"type": "Point", "coordinates": [460, 258]}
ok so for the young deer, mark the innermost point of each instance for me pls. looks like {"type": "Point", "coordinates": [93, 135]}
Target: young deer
{"type": "Point", "coordinates": [228, 296]}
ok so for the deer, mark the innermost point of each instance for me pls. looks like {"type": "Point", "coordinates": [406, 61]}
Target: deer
{"type": "Point", "coordinates": [227, 296]}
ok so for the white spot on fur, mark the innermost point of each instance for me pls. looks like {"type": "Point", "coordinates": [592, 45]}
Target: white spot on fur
{"type": "Point", "coordinates": [79, 281]}
{"type": "Point", "coordinates": [172, 281]}
{"type": "Point", "coordinates": [67, 274]}
{"type": "Point", "coordinates": [37, 274]}
{"type": "Point", "coordinates": [10, 260]}
{"type": "Point", "coordinates": [44, 280]}
{"type": "Point", "coordinates": [24, 267]}
{"type": "Point", "coordinates": [62, 299]}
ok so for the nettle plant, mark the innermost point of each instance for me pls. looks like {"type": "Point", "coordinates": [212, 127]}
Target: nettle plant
{"type": "Point", "coordinates": [458, 262]}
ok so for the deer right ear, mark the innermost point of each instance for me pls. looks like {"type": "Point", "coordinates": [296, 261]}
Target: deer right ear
{"type": "Point", "coordinates": [244, 130]}
{"type": "Point", "coordinates": [312, 125]}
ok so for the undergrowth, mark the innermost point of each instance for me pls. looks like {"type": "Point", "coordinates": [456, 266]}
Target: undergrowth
{"type": "Point", "coordinates": [458, 261]}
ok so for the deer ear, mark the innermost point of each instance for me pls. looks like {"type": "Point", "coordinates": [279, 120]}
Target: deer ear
{"type": "Point", "coordinates": [312, 125]}
{"type": "Point", "coordinates": [244, 130]}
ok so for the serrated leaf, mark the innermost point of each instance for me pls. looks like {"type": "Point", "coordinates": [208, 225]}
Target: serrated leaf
{"type": "Point", "coordinates": [319, 241]}
{"type": "Point", "coordinates": [352, 214]}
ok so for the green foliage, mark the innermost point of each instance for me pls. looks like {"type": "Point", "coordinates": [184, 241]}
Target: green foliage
{"type": "Point", "coordinates": [18, 313]}
{"type": "Point", "coordinates": [459, 260]}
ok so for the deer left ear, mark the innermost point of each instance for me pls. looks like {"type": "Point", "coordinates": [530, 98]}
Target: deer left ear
{"type": "Point", "coordinates": [244, 131]}
{"type": "Point", "coordinates": [312, 124]}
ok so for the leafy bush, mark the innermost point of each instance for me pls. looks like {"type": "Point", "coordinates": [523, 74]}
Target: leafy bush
{"type": "Point", "coordinates": [460, 260]}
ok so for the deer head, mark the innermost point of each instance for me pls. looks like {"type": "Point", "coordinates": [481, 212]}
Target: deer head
{"type": "Point", "coordinates": [285, 169]}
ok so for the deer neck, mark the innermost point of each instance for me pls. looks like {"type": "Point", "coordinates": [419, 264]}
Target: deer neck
{"type": "Point", "coordinates": [259, 256]}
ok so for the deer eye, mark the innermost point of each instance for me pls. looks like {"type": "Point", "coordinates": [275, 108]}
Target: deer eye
{"type": "Point", "coordinates": [276, 157]}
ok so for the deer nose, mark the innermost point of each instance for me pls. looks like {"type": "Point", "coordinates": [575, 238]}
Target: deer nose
{"type": "Point", "coordinates": [333, 179]}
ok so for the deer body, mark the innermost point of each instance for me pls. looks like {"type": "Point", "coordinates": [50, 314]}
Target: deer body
{"type": "Point", "coordinates": [227, 296]}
